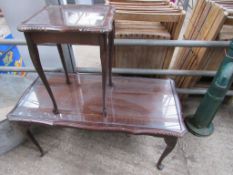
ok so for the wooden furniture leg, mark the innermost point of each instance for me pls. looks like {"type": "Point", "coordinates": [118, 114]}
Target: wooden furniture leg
{"type": "Point", "coordinates": [171, 143]}
{"type": "Point", "coordinates": [110, 55]}
{"type": "Point", "coordinates": [103, 58]}
{"type": "Point", "coordinates": [35, 142]}
{"type": "Point", "coordinates": [63, 62]}
{"type": "Point", "coordinates": [33, 51]}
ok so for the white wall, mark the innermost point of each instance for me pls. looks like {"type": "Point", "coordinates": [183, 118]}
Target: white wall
{"type": "Point", "coordinates": [84, 2]}
{"type": "Point", "coordinates": [17, 11]}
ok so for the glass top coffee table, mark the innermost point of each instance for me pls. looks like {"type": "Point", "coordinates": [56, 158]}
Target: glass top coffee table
{"type": "Point", "coordinates": [140, 106]}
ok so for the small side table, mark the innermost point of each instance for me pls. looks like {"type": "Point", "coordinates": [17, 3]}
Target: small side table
{"type": "Point", "coordinates": [71, 24]}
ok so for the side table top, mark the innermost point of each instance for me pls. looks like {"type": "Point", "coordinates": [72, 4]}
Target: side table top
{"type": "Point", "coordinates": [70, 18]}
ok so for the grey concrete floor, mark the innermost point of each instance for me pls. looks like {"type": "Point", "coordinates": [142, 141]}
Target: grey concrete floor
{"type": "Point", "coordinates": [11, 88]}
{"type": "Point", "coordinates": [80, 152]}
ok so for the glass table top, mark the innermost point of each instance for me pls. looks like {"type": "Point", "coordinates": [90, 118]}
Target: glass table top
{"type": "Point", "coordinates": [92, 18]}
{"type": "Point", "coordinates": [135, 105]}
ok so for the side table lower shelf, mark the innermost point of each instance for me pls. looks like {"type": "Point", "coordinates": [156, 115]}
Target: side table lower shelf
{"type": "Point", "coordinates": [139, 106]}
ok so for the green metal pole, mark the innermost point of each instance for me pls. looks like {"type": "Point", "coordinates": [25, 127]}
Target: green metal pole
{"type": "Point", "coordinates": [200, 123]}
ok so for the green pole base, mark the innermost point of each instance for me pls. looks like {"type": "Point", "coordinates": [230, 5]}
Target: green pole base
{"type": "Point", "coordinates": [200, 132]}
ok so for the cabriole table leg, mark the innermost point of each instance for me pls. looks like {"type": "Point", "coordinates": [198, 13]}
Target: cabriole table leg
{"type": "Point", "coordinates": [103, 57]}
{"type": "Point", "coordinates": [33, 51]}
{"type": "Point", "coordinates": [110, 55]}
{"type": "Point", "coordinates": [171, 143]}
{"type": "Point", "coordinates": [35, 142]}
{"type": "Point", "coordinates": [63, 62]}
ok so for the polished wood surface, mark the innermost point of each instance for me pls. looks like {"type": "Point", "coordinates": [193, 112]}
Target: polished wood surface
{"type": "Point", "coordinates": [71, 24]}
{"type": "Point", "coordinates": [134, 105]}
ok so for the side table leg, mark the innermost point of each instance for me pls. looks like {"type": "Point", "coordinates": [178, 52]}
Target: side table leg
{"type": "Point", "coordinates": [103, 58]}
{"type": "Point", "coordinates": [63, 62]}
{"type": "Point", "coordinates": [171, 143]}
{"type": "Point", "coordinates": [35, 142]}
{"type": "Point", "coordinates": [110, 56]}
{"type": "Point", "coordinates": [33, 51]}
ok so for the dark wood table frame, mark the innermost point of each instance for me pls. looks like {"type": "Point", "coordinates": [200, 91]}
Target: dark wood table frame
{"type": "Point", "coordinates": [104, 40]}
{"type": "Point", "coordinates": [133, 97]}
{"type": "Point", "coordinates": [129, 96]}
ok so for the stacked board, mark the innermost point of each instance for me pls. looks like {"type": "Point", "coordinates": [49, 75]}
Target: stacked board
{"type": "Point", "coordinates": [145, 19]}
{"type": "Point", "coordinates": [215, 56]}
{"type": "Point", "coordinates": [210, 20]}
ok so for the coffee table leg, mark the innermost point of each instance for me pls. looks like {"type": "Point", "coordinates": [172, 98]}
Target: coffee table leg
{"type": "Point", "coordinates": [110, 56]}
{"type": "Point", "coordinates": [171, 143]}
{"type": "Point", "coordinates": [33, 51]}
{"type": "Point", "coordinates": [35, 142]}
{"type": "Point", "coordinates": [103, 58]}
{"type": "Point", "coordinates": [63, 62]}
